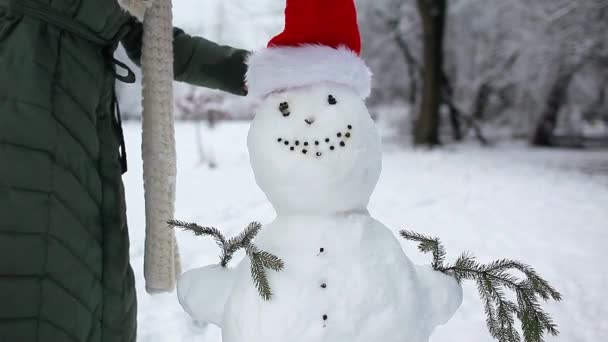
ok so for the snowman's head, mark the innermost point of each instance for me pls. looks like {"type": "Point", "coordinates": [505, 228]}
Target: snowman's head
{"type": "Point", "coordinates": [315, 149]}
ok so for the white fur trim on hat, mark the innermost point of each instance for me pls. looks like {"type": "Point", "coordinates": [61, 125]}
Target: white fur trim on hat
{"type": "Point", "coordinates": [279, 68]}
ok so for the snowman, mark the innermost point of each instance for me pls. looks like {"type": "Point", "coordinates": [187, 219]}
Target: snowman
{"type": "Point", "coordinates": [316, 154]}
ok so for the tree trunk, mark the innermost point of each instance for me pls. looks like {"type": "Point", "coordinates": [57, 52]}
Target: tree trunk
{"type": "Point", "coordinates": [432, 13]}
{"type": "Point", "coordinates": [555, 100]}
{"type": "Point", "coordinates": [412, 68]}
{"type": "Point", "coordinates": [413, 82]}
{"type": "Point", "coordinates": [481, 101]}
{"type": "Point", "coordinates": [202, 158]}
{"type": "Point", "coordinates": [448, 93]}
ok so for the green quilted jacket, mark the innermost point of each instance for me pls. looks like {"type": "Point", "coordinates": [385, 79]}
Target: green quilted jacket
{"type": "Point", "coordinates": [64, 246]}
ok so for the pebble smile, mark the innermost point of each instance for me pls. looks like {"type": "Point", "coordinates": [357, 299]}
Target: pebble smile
{"type": "Point", "coordinates": [315, 146]}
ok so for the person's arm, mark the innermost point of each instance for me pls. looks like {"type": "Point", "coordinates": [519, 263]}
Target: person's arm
{"type": "Point", "coordinates": [197, 61]}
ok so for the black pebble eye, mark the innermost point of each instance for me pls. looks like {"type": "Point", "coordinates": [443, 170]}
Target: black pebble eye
{"type": "Point", "coordinates": [331, 100]}
{"type": "Point", "coordinates": [284, 108]}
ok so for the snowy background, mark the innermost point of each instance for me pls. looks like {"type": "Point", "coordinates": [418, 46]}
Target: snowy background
{"type": "Point", "coordinates": [545, 207]}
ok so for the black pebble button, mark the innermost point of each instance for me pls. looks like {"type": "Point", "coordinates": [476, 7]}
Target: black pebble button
{"type": "Point", "coordinates": [332, 148]}
{"type": "Point", "coordinates": [323, 286]}
{"type": "Point", "coordinates": [292, 148]}
{"type": "Point", "coordinates": [319, 154]}
{"type": "Point", "coordinates": [347, 135]}
{"type": "Point", "coordinates": [325, 317]}
{"type": "Point", "coordinates": [306, 143]}
{"type": "Point", "coordinates": [322, 250]}
{"type": "Point", "coordinates": [349, 127]}
{"type": "Point", "coordinates": [327, 140]}
{"type": "Point", "coordinates": [339, 135]}
{"type": "Point", "coordinates": [286, 142]}
{"type": "Point", "coordinates": [316, 143]}
{"type": "Point", "coordinates": [279, 140]}
{"type": "Point", "coordinates": [297, 143]}
{"type": "Point", "coordinates": [304, 151]}
{"type": "Point", "coordinates": [342, 143]}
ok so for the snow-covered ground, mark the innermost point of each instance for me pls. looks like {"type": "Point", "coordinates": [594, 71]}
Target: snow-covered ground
{"type": "Point", "coordinates": [548, 208]}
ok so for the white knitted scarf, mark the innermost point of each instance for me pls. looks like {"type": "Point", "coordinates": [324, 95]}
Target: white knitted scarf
{"type": "Point", "coordinates": [161, 258]}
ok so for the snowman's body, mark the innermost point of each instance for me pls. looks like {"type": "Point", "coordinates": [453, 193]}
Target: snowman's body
{"type": "Point", "coordinates": [316, 154]}
{"type": "Point", "coordinates": [362, 283]}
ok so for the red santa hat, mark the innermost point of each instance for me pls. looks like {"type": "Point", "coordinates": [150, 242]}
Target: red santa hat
{"type": "Point", "coordinates": [320, 43]}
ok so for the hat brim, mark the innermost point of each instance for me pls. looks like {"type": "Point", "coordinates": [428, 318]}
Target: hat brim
{"type": "Point", "coordinates": [280, 68]}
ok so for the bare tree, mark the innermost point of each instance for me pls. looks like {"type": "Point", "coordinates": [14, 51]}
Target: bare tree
{"type": "Point", "coordinates": [203, 105]}
{"type": "Point", "coordinates": [390, 30]}
{"type": "Point", "coordinates": [555, 100]}
{"type": "Point", "coordinates": [576, 33]}
{"type": "Point", "coordinates": [432, 13]}
{"type": "Point", "coordinates": [502, 62]}
{"type": "Point", "coordinates": [393, 25]}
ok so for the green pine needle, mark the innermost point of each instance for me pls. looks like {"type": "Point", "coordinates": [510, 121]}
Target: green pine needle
{"type": "Point", "coordinates": [199, 231]}
{"type": "Point", "coordinates": [492, 280]}
{"type": "Point", "coordinates": [260, 260]}
{"type": "Point", "coordinates": [259, 278]}
{"type": "Point", "coordinates": [427, 245]}
{"type": "Point", "coordinates": [240, 241]}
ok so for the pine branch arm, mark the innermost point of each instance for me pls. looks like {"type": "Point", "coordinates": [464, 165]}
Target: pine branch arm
{"type": "Point", "coordinates": [259, 260]}
{"type": "Point", "coordinates": [492, 279]}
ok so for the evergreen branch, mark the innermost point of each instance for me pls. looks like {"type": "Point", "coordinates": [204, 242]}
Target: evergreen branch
{"type": "Point", "coordinates": [504, 330]}
{"type": "Point", "coordinates": [259, 277]}
{"type": "Point", "coordinates": [492, 279]}
{"type": "Point", "coordinates": [240, 241]}
{"type": "Point", "coordinates": [247, 236]}
{"type": "Point", "coordinates": [271, 261]}
{"type": "Point", "coordinates": [491, 321]}
{"type": "Point", "coordinates": [259, 259]}
{"type": "Point", "coordinates": [541, 286]}
{"type": "Point", "coordinates": [200, 231]}
{"type": "Point", "coordinates": [427, 244]}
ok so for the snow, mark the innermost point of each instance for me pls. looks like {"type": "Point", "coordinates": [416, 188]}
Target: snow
{"type": "Point", "coordinates": [203, 292]}
{"type": "Point", "coordinates": [544, 207]}
{"type": "Point", "coordinates": [339, 168]}
{"type": "Point", "coordinates": [372, 290]}
{"type": "Point", "coordinates": [316, 154]}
